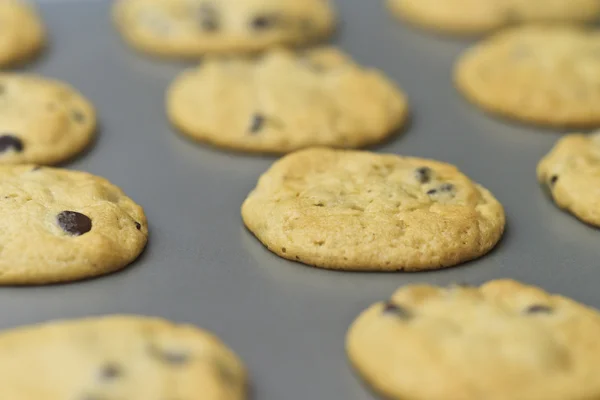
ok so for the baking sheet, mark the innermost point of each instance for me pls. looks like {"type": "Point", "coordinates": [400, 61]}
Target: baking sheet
{"type": "Point", "coordinates": [287, 321]}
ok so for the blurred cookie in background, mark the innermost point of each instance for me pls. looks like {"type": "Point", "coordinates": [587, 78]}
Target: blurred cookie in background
{"type": "Point", "coordinates": [42, 121]}
{"type": "Point", "coordinates": [22, 32]}
{"type": "Point", "coordinates": [544, 75]}
{"type": "Point", "coordinates": [192, 28]}
{"type": "Point", "coordinates": [571, 172]}
{"type": "Point", "coordinates": [283, 101]}
{"type": "Point", "coordinates": [118, 357]}
{"type": "Point", "coordinates": [471, 17]}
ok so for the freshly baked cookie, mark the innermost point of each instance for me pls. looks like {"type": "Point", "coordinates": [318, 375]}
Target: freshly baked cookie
{"type": "Point", "coordinates": [571, 171]}
{"type": "Point", "coordinates": [503, 340]}
{"type": "Point", "coordinates": [545, 75]}
{"type": "Point", "coordinates": [42, 121]}
{"type": "Point", "coordinates": [23, 34]}
{"type": "Point", "coordinates": [285, 101]}
{"type": "Point", "coordinates": [192, 28]}
{"type": "Point", "coordinates": [354, 210]}
{"type": "Point", "coordinates": [118, 357]}
{"type": "Point", "coordinates": [469, 17]}
{"type": "Point", "coordinates": [58, 225]}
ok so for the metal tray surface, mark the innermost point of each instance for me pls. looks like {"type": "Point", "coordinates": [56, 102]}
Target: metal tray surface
{"type": "Point", "coordinates": [287, 321]}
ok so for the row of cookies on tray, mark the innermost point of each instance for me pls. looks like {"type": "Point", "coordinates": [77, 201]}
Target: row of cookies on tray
{"type": "Point", "coordinates": [502, 340]}
{"type": "Point", "coordinates": [303, 191]}
{"type": "Point", "coordinates": [280, 102]}
{"type": "Point", "coordinates": [285, 101]}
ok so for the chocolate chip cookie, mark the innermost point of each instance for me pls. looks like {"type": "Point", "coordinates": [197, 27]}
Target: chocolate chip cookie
{"type": "Point", "coordinates": [42, 121]}
{"type": "Point", "coordinates": [118, 357]}
{"type": "Point", "coordinates": [503, 340]}
{"type": "Point", "coordinates": [192, 28]}
{"type": "Point", "coordinates": [285, 101]}
{"type": "Point", "coordinates": [468, 17]}
{"type": "Point", "coordinates": [23, 33]}
{"type": "Point", "coordinates": [58, 225]}
{"type": "Point", "coordinates": [538, 74]}
{"type": "Point", "coordinates": [353, 210]}
{"type": "Point", "coordinates": [571, 172]}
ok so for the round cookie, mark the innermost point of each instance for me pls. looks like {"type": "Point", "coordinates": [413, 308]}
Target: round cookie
{"type": "Point", "coordinates": [58, 225]}
{"type": "Point", "coordinates": [538, 74]}
{"type": "Point", "coordinates": [23, 34]}
{"type": "Point", "coordinates": [42, 121]}
{"type": "Point", "coordinates": [118, 357]}
{"type": "Point", "coordinates": [571, 171]}
{"type": "Point", "coordinates": [285, 101]}
{"type": "Point", "coordinates": [354, 210]}
{"type": "Point", "coordinates": [468, 17]}
{"type": "Point", "coordinates": [503, 340]}
{"type": "Point", "coordinates": [192, 28]}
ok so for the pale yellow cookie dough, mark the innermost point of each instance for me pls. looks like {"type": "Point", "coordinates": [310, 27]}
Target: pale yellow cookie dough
{"type": "Point", "coordinates": [503, 340]}
{"type": "Point", "coordinates": [22, 34]}
{"type": "Point", "coordinates": [353, 210]}
{"type": "Point", "coordinates": [285, 101]}
{"type": "Point", "coordinates": [193, 28]}
{"type": "Point", "coordinates": [120, 358]}
{"type": "Point", "coordinates": [571, 172]}
{"type": "Point", "coordinates": [42, 121]}
{"type": "Point", "coordinates": [468, 17]}
{"type": "Point", "coordinates": [58, 226]}
{"type": "Point", "coordinates": [538, 74]}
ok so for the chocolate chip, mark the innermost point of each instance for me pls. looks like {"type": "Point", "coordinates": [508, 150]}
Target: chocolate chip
{"type": "Point", "coordinates": [258, 121]}
{"type": "Point", "coordinates": [396, 310]}
{"type": "Point", "coordinates": [208, 17]}
{"type": "Point", "coordinates": [423, 174]}
{"type": "Point", "coordinates": [175, 358]}
{"type": "Point", "coordinates": [8, 142]}
{"type": "Point", "coordinates": [447, 187]}
{"type": "Point", "coordinates": [538, 309]}
{"type": "Point", "coordinates": [225, 373]}
{"type": "Point", "coordinates": [170, 356]}
{"type": "Point", "coordinates": [110, 372]}
{"type": "Point", "coordinates": [553, 180]}
{"type": "Point", "coordinates": [263, 22]}
{"type": "Point", "coordinates": [74, 223]}
{"type": "Point", "coordinates": [138, 226]}
{"type": "Point", "coordinates": [78, 116]}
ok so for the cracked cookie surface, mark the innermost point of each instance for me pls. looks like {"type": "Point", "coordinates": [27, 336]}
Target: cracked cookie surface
{"type": "Point", "coordinates": [42, 121]}
{"type": "Point", "coordinates": [543, 75]}
{"type": "Point", "coordinates": [23, 34]}
{"type": "Point", "coordinates": [502, 340]}
{"type": "Point", "coordinates": [118, 357]}
{"type": "Point", "coordinates": [283, 101]}
{"type": "Point", "coordinates": [193, 28]}
{"type": "Point", "coordinates": [58, 225]}
{"type": "Point", "coordinates": [355, 210]}
{"type": "Point", "coordinates": [480, 16]}
{"type": "Point", "coordinates": [571, 172]}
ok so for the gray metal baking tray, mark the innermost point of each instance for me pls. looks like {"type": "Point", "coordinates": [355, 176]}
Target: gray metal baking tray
{"type": "Point", "coordinates": [286, 320]}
